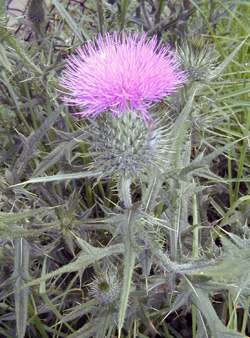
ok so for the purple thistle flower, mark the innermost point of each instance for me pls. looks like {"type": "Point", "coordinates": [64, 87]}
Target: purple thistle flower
{"type": "Point", "coordinates": [121, 73]}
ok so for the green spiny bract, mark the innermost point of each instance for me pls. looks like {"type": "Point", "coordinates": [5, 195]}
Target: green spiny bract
{"type": "Point", "coordinates": [198, 58]}
{"type": "Point", "coordinates": [177, 101]}
{"type": "Point", "coordinates": [127, 146]}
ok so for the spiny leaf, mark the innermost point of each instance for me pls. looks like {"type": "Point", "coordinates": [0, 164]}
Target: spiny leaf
{"type": "Point", "coordinates": [21, 305]}
{"type": "Point", "coordinates": [11, 217]}
{"type": "Point", "coordinates": [82, 261]}
{"type": "Point", "coordinates": [21, 259]}
{"type": "Point", "coordinates": [13, 232]}
{"type": "Point", "coordinates": [80, 311]}
{"type": "Point", "coordinates": [182, 298]}
{"type": "Point", "coordinates": [61, 177]}
{"type": "Point", "coordinates": [146, 262]}
{"type": "Point", "coordinates": [202, 161]}
{"type": "Point", "coordinates": [240, 293]}
{"type": "Point", "coordinates": [181, 120]}
{"type": "Point", "coordinates": [31, 143]}
{"type": "Point", "coordinates": [10, 41]}
{"type": "Point", "coordinates": [13, 95]}
{"type": "Point", "coordinates": [207, 174]}
{"type": "Point", "coordinates": [144, 316]}
{"type": "Point", "coordinates": [104, 322]}
{"type": "Point", "coordinates": [87, 331]}
{"type": "Point", "coordinates": [57, 153]}
{"type": "Point", "coordinates": [225, 63]}
{"type": "Point", "coordinates": [232, 264]}
{"type": "Point", "coordinates": [70, 21]}
{"type": "Point", "coordinates": [3, 59]}
{"type": "Point", "coordinates": [47, 124]}
{"type": "Point", "coordinates": [150, 195]}
{"type": "Point", "coordinates": [46, 299]}
{"type": "Point", "coordinates": [190, 293]}
{"type": "Point", "coordinates": [21, 267]}
{"type": "Point", "coordinates": [203, 303]}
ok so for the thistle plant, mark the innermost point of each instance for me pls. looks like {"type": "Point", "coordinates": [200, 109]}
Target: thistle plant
{"type": "Point", "coordinates": [117, 81]}
{"type": "Point", "coordinates": [120, 82]}
{"type": "Point", "coordinates": [115, 216]}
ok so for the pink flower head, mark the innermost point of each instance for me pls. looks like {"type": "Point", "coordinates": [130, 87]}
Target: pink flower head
{"type": "Point", "coordinates": [121, 73]}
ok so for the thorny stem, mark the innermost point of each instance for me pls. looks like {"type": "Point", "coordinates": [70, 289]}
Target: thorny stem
{"type": "Point", "coordinates": [124, 191]}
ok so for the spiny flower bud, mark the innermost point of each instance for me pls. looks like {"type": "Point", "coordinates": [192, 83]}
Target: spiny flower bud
{"type": "Point", "coordinates": [127, 146]}
{"type": "Point", "coordinates": [106, 288]}
{"type": "Point", "coordinates": [198, 58]}
{"type": "Point", "coordinates": [36, 11]}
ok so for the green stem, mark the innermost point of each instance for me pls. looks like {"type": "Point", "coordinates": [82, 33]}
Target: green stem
{"type": "Point", "coordinates": [160, 9]}
{"type": "Point", "coordinates": [123, 13]}
{"type": "Point", "coordinates": [245, 319]}
{"type": "Point", "coordinates": [242, 156]}
{"type": "Point", "coordinates": [174, 235]}
{"type": "Point", "coordinates": [195, 231]}
{"type": "Point", "coordinates": [195, 254]}
{"type": "Point", "coordinates": [129, 263]}
{"type": "Point", "coordinates": [123, 186]}
{"type": "Point", "coordinates": [99, 10]}
{"type": "Point", "coordinates": [194, 320]}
